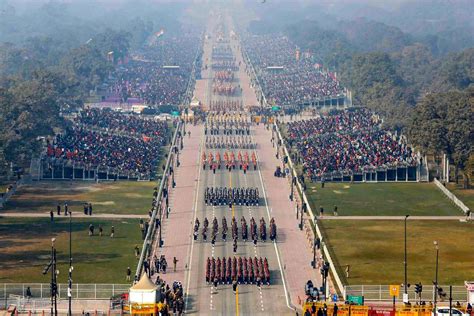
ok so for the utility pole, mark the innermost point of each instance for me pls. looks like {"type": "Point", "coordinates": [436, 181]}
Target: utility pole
{"type": "Point", "coordinates": [436, 278]}
{"type": "Point", "coordinates": [69, 290]}
{"type": "Point", "coordinates": [405, 298]}
{"type": "Point", "coordinates": [53, 285]}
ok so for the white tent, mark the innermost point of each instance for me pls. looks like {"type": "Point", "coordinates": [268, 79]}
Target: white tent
{"type": "Point", "coordinates": [143, 292]}
{"type": "Point", "coordinates": [195, 102]}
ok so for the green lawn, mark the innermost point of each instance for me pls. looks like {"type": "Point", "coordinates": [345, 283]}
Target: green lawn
{"type": "Point", "coordinates": [375, 250]}
{"type": "Point", "coordinates": [26, 249]}
{"type": "Point", "coordinates": [466, 196]}
{"type": "Point", "coordinates": [122, 197]}
{"type": "Point", "coordinates": [380, 199]}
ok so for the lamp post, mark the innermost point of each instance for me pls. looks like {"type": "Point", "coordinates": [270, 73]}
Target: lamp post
{"type": "Point", "coordinates": [436, 277]}
{"type": "Point", "coordinates": [69, 290]}
{"type": "Point", "coordinates": [54, 284]}
{"type": "Point", "coordinates": [405, 262]}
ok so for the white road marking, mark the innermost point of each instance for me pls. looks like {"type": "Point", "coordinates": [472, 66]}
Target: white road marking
{"type": "Point", "coordinates": [274, 243]}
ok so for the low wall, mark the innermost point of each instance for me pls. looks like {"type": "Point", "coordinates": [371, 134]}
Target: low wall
{"type": "Point", "coordinates": [452, 197]}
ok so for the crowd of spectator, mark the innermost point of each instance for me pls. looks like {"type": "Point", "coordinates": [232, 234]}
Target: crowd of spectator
{"type": "Point", "coordinates": [291, 79]}
{"type": "Point", "coordinates": [105, 138]}
{"type": "Point", "coordinates": [158, 74]}
{"type": "Point", "coordinates": [346, 141]}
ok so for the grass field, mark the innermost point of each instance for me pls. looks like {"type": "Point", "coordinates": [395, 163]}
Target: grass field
{"type": "Point", "coordinates": [466, 196]}
{"type": "Point", "coordinates": [123, 197]}
{"type": "Point", "coordinates": [380, 199]}
{"type": "Point", "coordinates": [26, 249]}
{"type": "Point", "coordinates": [375, 250]}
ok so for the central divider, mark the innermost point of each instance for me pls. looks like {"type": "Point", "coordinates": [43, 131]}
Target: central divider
{"type": "Point", "coordinates": [152, 227]}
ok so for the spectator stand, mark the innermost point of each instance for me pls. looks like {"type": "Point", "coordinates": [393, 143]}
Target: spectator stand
{"type": "Point", "coordinates": [299, 84]}
{"type": "Point", "coordinates": [104, 145]}
{"type": "Point", "coordinates": [351, 146]}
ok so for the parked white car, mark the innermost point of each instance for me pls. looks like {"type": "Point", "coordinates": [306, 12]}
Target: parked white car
{"type": "Point", "coordinates": [444, 311]}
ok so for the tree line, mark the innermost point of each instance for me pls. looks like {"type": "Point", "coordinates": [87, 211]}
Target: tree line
{"type": "Point", "coordinates": [54, 70]}
{"type": "Point", "coordinates": [420, 88]}
{"type": "Point", "coordinates": [428, 97]}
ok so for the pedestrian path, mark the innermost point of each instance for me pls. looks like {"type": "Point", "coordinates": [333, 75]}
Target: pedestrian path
{"type": "Point", "coordinates": [176, 229]}
{"type": "Point", "coordinates": [292, 243]}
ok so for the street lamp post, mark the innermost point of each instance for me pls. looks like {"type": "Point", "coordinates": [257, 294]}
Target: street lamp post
{"type": "Point", "coordinates": [405, 262]}
{"type": "Point", "coordinates": [69, 293]}
{"type": "Point", "coordinates": [436, 277]}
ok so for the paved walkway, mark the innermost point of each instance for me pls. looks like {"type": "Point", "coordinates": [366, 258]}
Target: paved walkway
{"type": "Point", "coordinates": [293, 245]}
{"type": "Point", "coordinates": [177, 228]}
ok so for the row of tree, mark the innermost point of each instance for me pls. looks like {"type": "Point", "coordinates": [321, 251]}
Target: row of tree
{"type": "Point", "coordinates": [425, 96]}
{"type": "Point", "coordinates": [39, 82]}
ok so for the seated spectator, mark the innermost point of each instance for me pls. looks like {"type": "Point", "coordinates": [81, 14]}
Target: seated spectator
{"type": "Point", "coordinates": [346, 141]}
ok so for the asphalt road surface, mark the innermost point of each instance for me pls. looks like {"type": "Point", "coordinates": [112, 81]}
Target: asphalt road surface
{"type": "Point", "coordinates": [249, 299]}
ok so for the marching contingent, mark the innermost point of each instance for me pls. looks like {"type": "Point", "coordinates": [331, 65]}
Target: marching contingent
{"type": "Point", "coordinates": [214, 161]}
{"type": "Point", "coordinates": [226, 106]}
{"type": "Point", "coordinates": [255, 233]}
{"type": "Point", "coordinates": [231, 196]}
{"type": "Point", "coordinates": [237, 269]}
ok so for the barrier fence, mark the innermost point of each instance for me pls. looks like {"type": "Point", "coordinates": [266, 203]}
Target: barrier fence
{"type": "Point", "coordinates": [452, 197]}
{"type": "Point", "coordinates": [148, 242]}
{"type": "Point", "coordinates": [79, 291]}
{"type": "Point", "coordinates": [356, 310]}
{"type": "Point", "coordinates": [324, 249]}
{"type": "Point", "coordinates": [382, 293]}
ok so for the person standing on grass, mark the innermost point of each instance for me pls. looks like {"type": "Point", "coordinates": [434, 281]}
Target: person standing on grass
{"type": "Point", "coordinates": [129, 273]}
{"type": "Point", "coordinates": [101, 230]}
{"type": "Point", "coordinates": [85, 208]}
{"type": "Point", "coordinates": [90, 209]}
{"type": "Point", "coordinates": [58, 209]}
{"type": "Point", "coordinates": [51, 215]}
{"type": "Point", "coordinates": [66, 208]}
{"type": "Point", "coordinates": [91, 230]}
{"type": "Point", "coordinates": [112, 232]}
{"type": "Point", "coordinates": [335, 210]}
{"type": "Point", "coordinates": [137, 251]}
